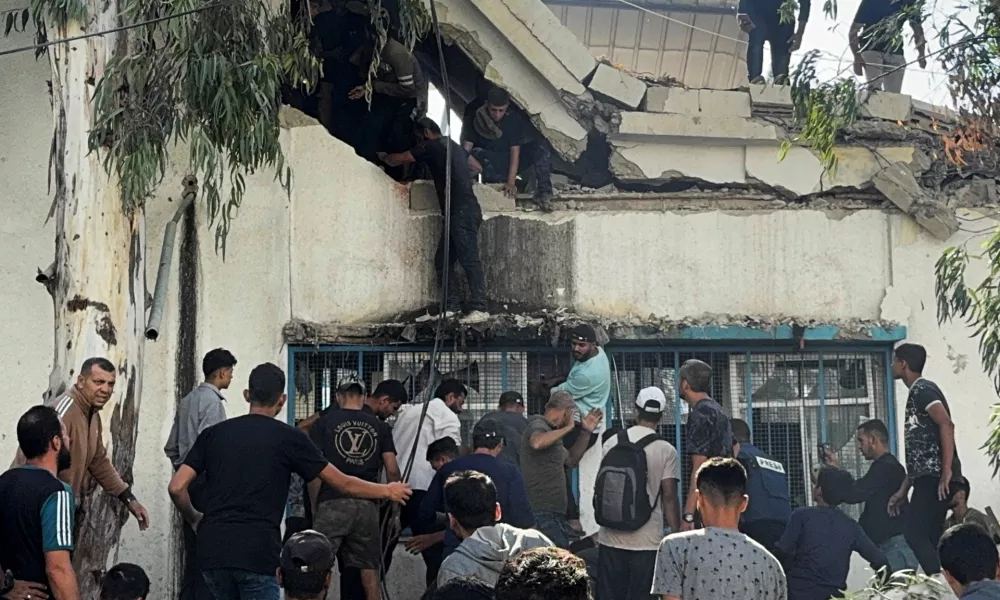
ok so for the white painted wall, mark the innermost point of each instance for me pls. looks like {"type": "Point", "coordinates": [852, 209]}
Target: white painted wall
{"type": "Point", "coordinates": [344, 247]}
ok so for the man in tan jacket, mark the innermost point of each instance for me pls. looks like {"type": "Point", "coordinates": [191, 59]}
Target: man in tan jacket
{"type": "Point", "coordinates": [79, 408]}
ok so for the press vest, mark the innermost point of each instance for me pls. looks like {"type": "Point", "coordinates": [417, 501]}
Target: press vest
{"type": "Point", "coordinates": [767, 487]}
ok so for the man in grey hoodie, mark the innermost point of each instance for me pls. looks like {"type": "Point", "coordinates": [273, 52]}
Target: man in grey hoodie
{"type": "Point", "coordinates": [473, 514]}
{"type": "Point", "coordinates": [969, 561]}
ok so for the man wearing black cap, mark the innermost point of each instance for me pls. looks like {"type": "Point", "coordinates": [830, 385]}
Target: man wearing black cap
{"type": "Point", "coordinates": [466, 216]}
{"type": "Point", "coordinates": [306, 565]}
{"type": "Point", "coordinates": [487, 444]}
{"type": "Point", "coordinates": [589, 382]}
{"type": "Point", "coordinates": [509, 418]}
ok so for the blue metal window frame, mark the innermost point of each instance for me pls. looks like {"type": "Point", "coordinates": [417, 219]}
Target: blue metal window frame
{"type": "Point", "coordinates": [707, 340]}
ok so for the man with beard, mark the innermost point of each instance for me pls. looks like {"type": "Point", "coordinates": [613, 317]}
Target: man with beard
{"type": "Point", "coordinates": [36, 513]}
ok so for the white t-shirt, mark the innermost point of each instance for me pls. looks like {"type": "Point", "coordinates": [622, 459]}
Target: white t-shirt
{"type": "Point", "coordinates": [661, 463]}
{"type": "Point", "coordinates": [440, 422]}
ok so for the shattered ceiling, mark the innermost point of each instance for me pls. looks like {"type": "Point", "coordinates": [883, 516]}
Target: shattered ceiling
{"type": "Point", "coordinates": [610, 126]}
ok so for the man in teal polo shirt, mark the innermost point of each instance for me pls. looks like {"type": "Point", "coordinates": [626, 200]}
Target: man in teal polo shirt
{"type": "Point", "coordinates": [589, 381]}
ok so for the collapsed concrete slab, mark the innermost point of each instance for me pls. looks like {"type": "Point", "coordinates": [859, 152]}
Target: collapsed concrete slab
{"type": "Point", "coordinates": [888, 106]}
{"type": "Point", "coordinates": [699, 102]}
{"type": "Point", "coordinates": [521, 46]}
{"type": "Point", "coordinates": [617, 86]}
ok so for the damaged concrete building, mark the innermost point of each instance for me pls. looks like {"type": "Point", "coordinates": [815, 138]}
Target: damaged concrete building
{"type": "Point", "coordinates": [677, 231]}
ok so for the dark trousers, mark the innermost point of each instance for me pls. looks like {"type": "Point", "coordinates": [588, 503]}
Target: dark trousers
{"type": "Point", "coordinates": [777, 36]}
{"type": "Point", "coordinates": [434, 555]}
{"type": "Point", "coordinates": [350, 577]}
{"type": "Point", "coordinates": [764, 532]}
{"type": "Point", "coordinates": [464, 249]}
{"type": "Point", "coordinates": [535, 158]}
{"type": "Point", "coordinates": [925, 522]}
{"type": "Point", "coordinates": [625, 574]}
{"type": "Point", "coordinates": [193, 586]}
{"type": "Point", "coordinates": [388, 127]}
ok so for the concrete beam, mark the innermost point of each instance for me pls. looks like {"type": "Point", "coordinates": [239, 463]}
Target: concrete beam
{"type": "Point", "coordinates": [888, 106]}
{"type": "Point", "coordinates": [707, 103]}
{"type": "Point", "coordinates": [423, 197]}
{"type": "Point", "coordinates": [645, 124]}
{"type": "Point", "coordinates": [617, 86]}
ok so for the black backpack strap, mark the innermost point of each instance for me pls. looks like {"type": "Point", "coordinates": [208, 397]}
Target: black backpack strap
{"type": "Point", "coordinates": [649, 439]}
{"type": "Point", "coordinates": [623, 436]}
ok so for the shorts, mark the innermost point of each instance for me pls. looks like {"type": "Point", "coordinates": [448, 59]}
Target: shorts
{"type": "Point", "coordinates": [352, 527]}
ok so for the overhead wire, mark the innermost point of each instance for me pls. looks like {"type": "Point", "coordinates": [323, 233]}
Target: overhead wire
{"type": "Point", "coordinates": [103, 32]}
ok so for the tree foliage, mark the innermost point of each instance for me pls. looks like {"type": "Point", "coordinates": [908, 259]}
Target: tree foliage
{"type": "Point", "coordinates": [905, 585]}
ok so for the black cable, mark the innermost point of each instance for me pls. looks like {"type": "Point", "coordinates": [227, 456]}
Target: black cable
{"type": "Point", "coordinates": [445, 273]}
{"type": "Point", "coordinates": [84, 36]}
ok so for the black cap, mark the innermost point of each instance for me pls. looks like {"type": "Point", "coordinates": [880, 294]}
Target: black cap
{"type": "Point", "coordinates": [583, 333]}
{"type": "Point", "coordinates": [486, 434]}
{"type": "Point", "coordinates": [511, 398]}
{"type": "Point", "coordinates": [307, 552]}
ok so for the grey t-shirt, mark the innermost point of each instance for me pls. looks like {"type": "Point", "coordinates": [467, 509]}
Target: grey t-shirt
{"type": "Point", "coordinates": [720, 564]}
{"type": "Point", "coordinates": [544, 470]}
{"type": "Point", "coordinates": [512, 427]}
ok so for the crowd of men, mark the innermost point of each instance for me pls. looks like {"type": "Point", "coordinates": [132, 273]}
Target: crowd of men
{"type": "Point", "coordinates": [498, 518]}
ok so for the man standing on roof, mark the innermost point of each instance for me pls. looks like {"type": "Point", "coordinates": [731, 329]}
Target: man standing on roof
{"type": "Point", "coordinates": [501, 146]}
{"type": "Point", "coordinates": [589, 382]}
{"type": "Point", "coordinates": [876, 41]}
{"type": "Point", "coordinates": [79, 408]}
{"type": "Point", "coordinates": [466, 216]}
{"type": "Point", "coordinates": [763, 21]}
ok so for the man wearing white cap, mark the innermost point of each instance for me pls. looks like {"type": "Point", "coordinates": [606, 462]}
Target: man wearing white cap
{"type": "Point", "coordinates": [632, 520]}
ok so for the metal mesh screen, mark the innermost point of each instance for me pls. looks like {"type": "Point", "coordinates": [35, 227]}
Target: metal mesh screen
{"type": "Point", "coordinates": [793, 401]}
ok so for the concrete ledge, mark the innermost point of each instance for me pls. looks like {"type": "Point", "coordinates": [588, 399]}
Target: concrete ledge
{"type": "Point", "coordinates": [618, 86]}
{"type": "Point", "coordinates": [423, 198]}
{"type": "Point", "coordinates": [645, 124]}
{"type": "Point", "coordinates": [771, 95]}
{"type": "Point", "coordinates": [703, 102]}
{"type": "Point", "coordinates": [888, 106]}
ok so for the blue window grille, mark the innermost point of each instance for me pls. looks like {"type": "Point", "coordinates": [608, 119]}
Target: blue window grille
{"type": "Point", "coordinates": [793, 401]}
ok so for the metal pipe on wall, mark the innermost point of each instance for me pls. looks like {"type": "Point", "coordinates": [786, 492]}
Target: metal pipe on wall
{"type": "Point", "coordinates": [166, 258]}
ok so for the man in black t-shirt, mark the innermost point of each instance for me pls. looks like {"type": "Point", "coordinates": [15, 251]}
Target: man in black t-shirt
{"type": "Point", "coordinates": [882, 480]}
{"type": "Point", "coordinates": [876, 41]}
{"type": "Point", "coordinates": [248, 462]}
{"type": "Point", "coordinates": [360, 444]}
{"type": "Point", "coordinates": [932, 462]}
{"type": "Point", "coordinates": [37, 511]}
{"type": "Point", "coordinates": [466, 216]}
{"type": "Point", "coordinates": [501, 146]}
{"type": "Point", "coordinates": [709, 431]}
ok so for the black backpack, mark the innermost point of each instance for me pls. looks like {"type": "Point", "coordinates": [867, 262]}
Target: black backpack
{"type": "Point", "coordinates": [621, 501]}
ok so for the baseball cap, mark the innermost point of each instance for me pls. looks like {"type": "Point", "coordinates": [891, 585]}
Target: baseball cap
{"type": "Point", "coordinates": [511, 398]}
{"type": "Point", "coordinates": [583, 333]}
{"type": "Point", "coordinates": [486, 434]}
{"type": "Point", "coordinates": [651, 399]}
{"type": "Point", "coordinates": [307, 552]}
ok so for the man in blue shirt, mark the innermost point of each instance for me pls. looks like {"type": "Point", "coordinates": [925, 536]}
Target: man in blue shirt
{"type": "Point", "coordinates": [37, 512]}
{"type": "Point", "coordinates": [770, 503]}
{"type": "Point", "coordinates": [818, 542]}
{"type": "Point", "coordinates": [487, 443]}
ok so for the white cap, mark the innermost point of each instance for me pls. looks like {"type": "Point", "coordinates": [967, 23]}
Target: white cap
{"type": "Point", "coordinates": [651, 399]}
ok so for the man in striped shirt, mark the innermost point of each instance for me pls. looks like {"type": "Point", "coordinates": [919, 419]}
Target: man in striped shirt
{"type": "Point", "coordinates": [37, 513]}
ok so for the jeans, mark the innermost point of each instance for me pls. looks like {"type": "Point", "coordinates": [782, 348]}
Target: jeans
{"type": "Point", "coordinates": [535, 156]}
{"type": "Point", "coordinates": [237, 584]}
{"type": "Point", "coordinates": [464, 249]}
{"type": "Point", "coordinates": [898, 554]}
{"type": "Point", "coordinates": [777, 36]}
{"type": "Point", "coordinates": [555, 527]}
{"type": "Point", "coordinates": [625, 574]}
{"type": "Point", "coordinates": [925, 522]}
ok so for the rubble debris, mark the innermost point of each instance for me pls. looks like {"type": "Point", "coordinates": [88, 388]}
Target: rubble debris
{"type": "Point", "coordinates": [618, 86]}
{"type": "Point", "coordinates": [548, 325]}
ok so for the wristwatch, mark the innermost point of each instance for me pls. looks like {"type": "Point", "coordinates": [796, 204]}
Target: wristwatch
{"type": "Point", "coordinates": [688, 518]}
{"type": "Point", "coordinates": [8, 582]}
{"type": "Point", "coordinates": [127, 496]}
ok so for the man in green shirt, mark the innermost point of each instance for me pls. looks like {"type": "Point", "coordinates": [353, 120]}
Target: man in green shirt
{"type": "Point", "coordinates": [962, 513]}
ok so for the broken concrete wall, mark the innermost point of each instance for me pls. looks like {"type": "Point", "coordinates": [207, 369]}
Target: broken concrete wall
{"type": "Point", "coordinates": [521, 46]}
